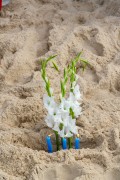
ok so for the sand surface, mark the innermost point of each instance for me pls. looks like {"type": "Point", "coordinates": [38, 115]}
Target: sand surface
{"type": "Point", "coordinates": [31, 29]}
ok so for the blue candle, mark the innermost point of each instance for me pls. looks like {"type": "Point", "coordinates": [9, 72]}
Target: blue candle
{"type": "Point", "coordinates": [64, 143]}
{"type": "Point", "coordinates": [77, 143]}
{"type": "Point", "coordinates": [49, 144]}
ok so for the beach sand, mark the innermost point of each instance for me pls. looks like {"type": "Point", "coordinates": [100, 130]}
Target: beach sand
{"type": "Point", "coordinates": [34, 29]}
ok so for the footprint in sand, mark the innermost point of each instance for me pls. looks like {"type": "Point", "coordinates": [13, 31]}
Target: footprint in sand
{"type": "Point", "coordinates": [74, 172]}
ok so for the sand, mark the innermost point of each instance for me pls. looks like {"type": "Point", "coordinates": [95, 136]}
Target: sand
{"type": "Point", "coordinates": [31, 30]}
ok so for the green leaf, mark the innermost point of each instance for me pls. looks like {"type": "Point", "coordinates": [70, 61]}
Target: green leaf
{"type": "Point", "coordinates": [72, 77]}
{"type": "Point", "coordinates": [43, 64]}
{"type": "Point", "coordinates": [48, 90]}
{"type": "Point", "coordinates": [84, 61]}
{"type": "Point", "coordinates": [73, 64]}
{"type": "Point", "coordinates": [63, 89]}
{"type": "Point", "coordinates": [65, 80]}
{"type": "Point", "coordinates": [84, 67]}
{"type": "Point", "coordinates": [65, 72]}
{"type": "Point", "coordinates": [61, 84]}
{"type": "Point", "coordinates": [61, 126]}
{"type": "Point", "coordinates": [78, 56]}
{"type": "Point", "coordinates": [50, 58]}
{"type": "Point", "coordinates": [72, 113]}
{"type": "Point", "coordinates": [75, 69]}
{"type": "Point", "coordinates": [55, 66]}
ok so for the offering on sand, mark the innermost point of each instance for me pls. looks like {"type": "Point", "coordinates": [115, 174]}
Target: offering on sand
{"type": "Point", "coordinates": [62, 114]}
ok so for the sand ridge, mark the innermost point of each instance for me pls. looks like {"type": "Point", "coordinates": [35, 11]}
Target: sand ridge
{"type": "Point", "coordinates": [33, 29]}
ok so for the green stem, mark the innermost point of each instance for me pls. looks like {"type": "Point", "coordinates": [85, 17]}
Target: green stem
{"type": "Point", "coordinates": [57, 140]}
{"type": "Point", "coordinates": [70, 142]}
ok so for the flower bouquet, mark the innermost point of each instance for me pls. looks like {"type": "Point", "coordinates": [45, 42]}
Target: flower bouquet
{"type": "Point", "coordinates": [61, 117]}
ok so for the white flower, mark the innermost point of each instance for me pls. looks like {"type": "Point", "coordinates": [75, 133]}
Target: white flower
{"type": "Point", "coordinates": [61, 132]}
{"type": "Point", "coordinates": [49, 121]}
{"type": "Point", "coordinates": [65, 132]}
{"type": "Point", "coordinates": [53, 110]}
{"type": "Point", "coordinates": [57, 118]}
{"type": "Point", "coordinates": [74, 104]}
{"type": "Point", "coordinates": [71, 98]}
{"type": "Point", "coordinates": [69, 127]}
{"type": "Point", "coordinates": [77, 93]}
{"type": "Point", "coordinates": [56, 126]}
{"type": "Point", "coordinates": [65, 120]}
{"type": "Point", "coordinates": [69, 134]}
{"type": "Point", "coordinates": [64, 105]}
{"type": "Point", "coordinates": [59, 114]}
{"type": "Point", "coordinates": [77, 111]}
{"type": "Point", "coordinates": [53, 121]}
{"type": "Point", "coordinates": [49, 102]}
{"type": "Point", "coordinates": [72, 126]}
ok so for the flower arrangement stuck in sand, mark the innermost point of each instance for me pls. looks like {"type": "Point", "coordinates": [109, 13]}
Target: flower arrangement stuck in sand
{"type": "Point", "coordinates": [62, 115]}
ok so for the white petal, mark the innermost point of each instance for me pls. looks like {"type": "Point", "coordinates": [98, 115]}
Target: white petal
{"type": "Point", "coordinates": [61, 133]}
{"type": "Point", "coordinates": [69, 134]}
{"type": "Point", "coordinates": [48, 101]}
{"type": "Point", "coordinates": [56, 127]}
{"type": "Point", "coordinates": [77, 93]}
{"type": "Point", "coordinates": [49, 121]}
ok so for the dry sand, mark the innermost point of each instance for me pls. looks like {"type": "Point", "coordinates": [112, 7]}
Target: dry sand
{"type": "Point", "coordinates": [31, 29]}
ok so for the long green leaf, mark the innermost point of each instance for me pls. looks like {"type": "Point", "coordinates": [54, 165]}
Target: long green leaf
{"type": "Point", "coordinates": [50, 58]}
{"type": "Point", "coordinates": [55, 66]}
{"type": "Point", "coordinates": [84, 60]}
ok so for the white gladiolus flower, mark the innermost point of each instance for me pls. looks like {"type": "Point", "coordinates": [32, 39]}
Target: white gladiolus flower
{"type": "Point", "coordinates": [66, 120]}
{"type": "Point", "coordinates": [53, 110]}
{"type": "Point", "coordinates": [56, 127]}
{"type": "Point", "coordinates": [61, 133]}
{"type": "Point", "coordinates": [72, 125]}
{"type": "Point", "coordinates": [49, 121]}
{"type": "Point", "coordinates": [53, 121]}
{"type": "Point", "coordinates": [48, 101]}
{"type": "Point", "coordinates": [77, 93]}
{"type": "Point", "coordinates": [62, 116]}
{"type": "Point", "coordinates": [77, 111]}
{"type": "Point", "coordinates": [65, 132]}
{"type": "Point", "coordinates": [74, 104]}
{"type": "Point", "coordinates": [71, 98]}
{"type": "Point", "coordinates": [59, 117]}
{"type": "Point", "coordinates": [64, 105]}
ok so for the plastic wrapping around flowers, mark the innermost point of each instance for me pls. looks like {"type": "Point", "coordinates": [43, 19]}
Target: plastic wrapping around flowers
{"type": "Point", "coordinates": [62, 115]}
